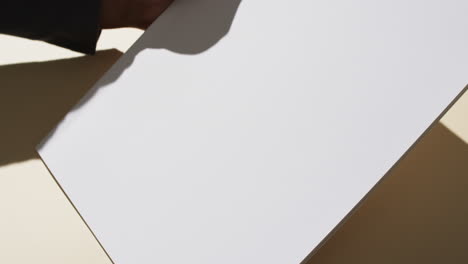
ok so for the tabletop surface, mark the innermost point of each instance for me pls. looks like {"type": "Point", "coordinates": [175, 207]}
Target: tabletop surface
{"type": "Point", "coordinates": [244, 132]}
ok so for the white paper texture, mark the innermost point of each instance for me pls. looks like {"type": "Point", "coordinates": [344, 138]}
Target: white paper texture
{"type": "Point", "coordinates": [244, 132]}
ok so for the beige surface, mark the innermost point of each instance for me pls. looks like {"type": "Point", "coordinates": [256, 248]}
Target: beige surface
{"type": "Point", "coordinates": [39, 83]}
{"type": "Point", "coordinates": [416, 215]}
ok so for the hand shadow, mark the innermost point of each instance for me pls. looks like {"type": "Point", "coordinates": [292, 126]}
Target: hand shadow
{"type": "Point", "coordinates": [187, 27]}
{"type": "Point", "coordinates": [34, 97]}
{"type": "Point", "coordinates": [190, 26]}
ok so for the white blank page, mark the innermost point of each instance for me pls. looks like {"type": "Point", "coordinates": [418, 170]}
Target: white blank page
{"type": "Point", "coordinates": [244, 132]}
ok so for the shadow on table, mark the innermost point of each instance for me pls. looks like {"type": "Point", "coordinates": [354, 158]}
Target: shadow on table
{"type": "Point", "coordinates": [34, 97]}
{"type": "Point", "coordinates": [418, 214]}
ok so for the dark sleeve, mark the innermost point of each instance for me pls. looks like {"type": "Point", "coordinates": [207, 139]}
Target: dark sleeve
{"type": "Point", "coordinates": [72, 24]}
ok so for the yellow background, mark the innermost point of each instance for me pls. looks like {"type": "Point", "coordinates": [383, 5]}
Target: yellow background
{"type": "Point", "coordinates": [417, 214]}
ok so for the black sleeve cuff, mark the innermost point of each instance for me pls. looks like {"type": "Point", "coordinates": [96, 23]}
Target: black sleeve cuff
{"type": "Point", "coordinates": [69, 24]}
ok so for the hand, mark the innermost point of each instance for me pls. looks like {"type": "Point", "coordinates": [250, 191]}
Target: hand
{"type": "Point", "coordinates": [131, 13]}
